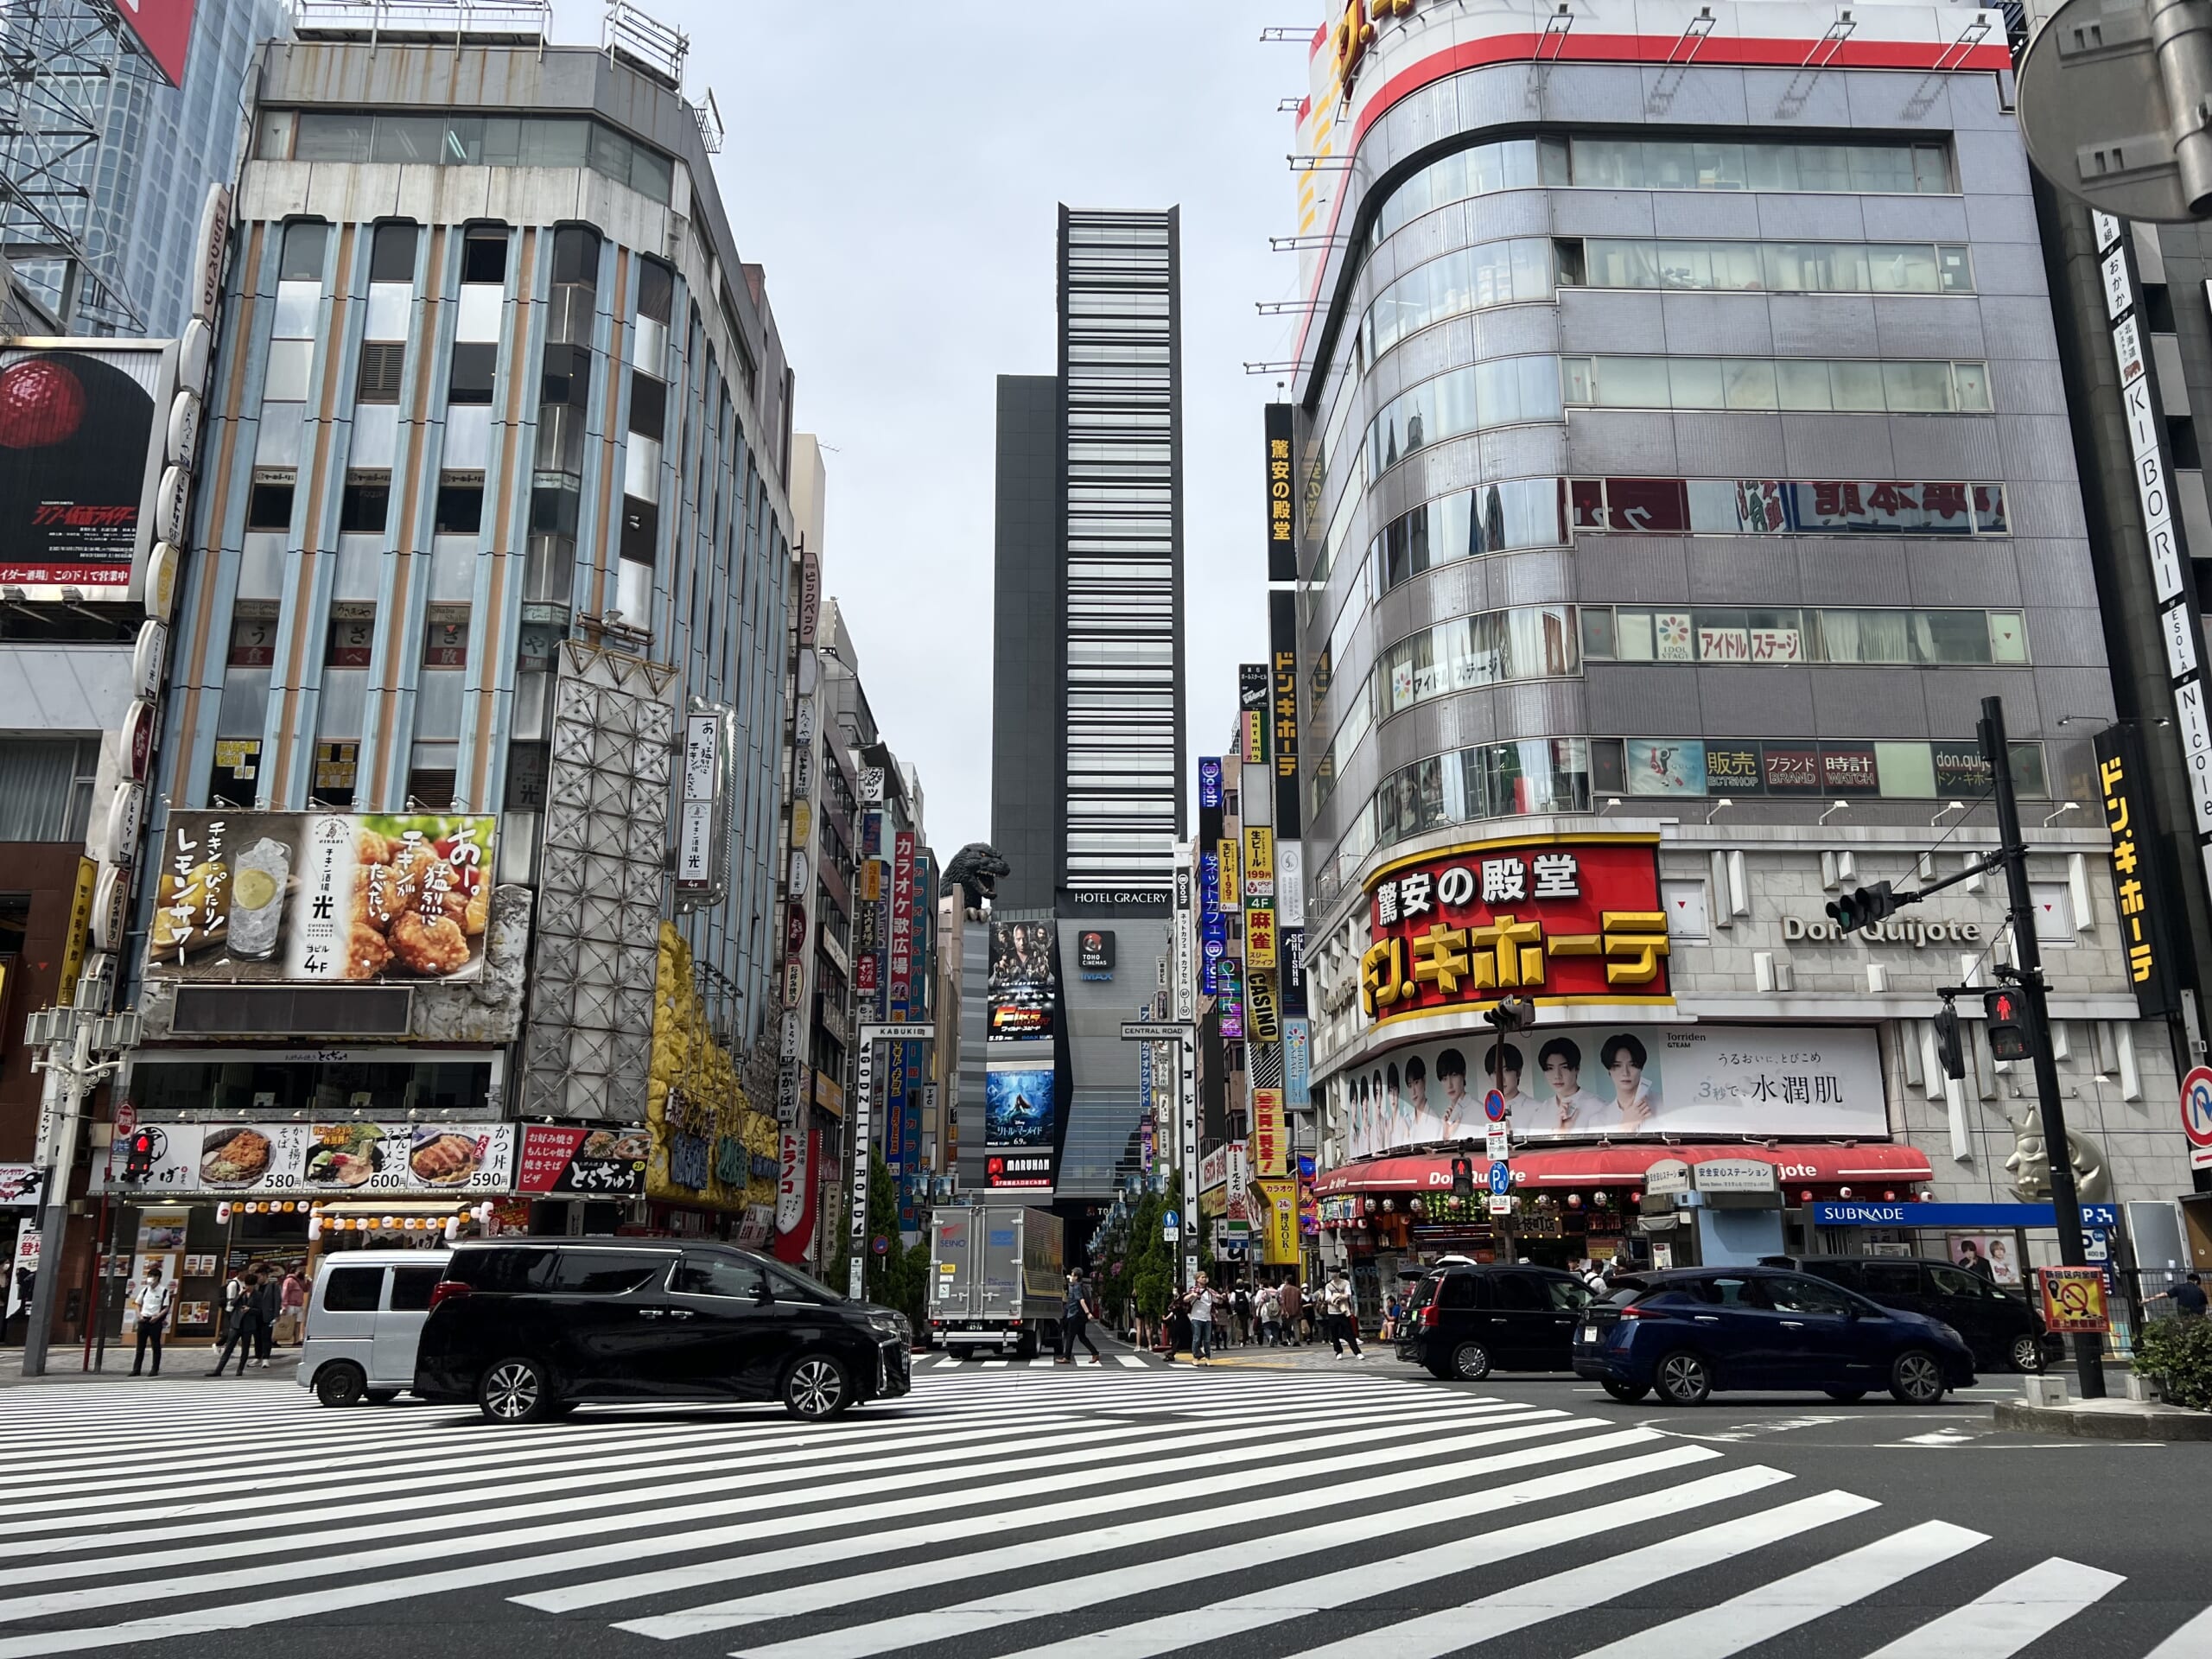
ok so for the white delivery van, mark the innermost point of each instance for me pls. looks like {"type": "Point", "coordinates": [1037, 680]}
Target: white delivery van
{"type": "Point", "coordinates": [365, 1314]}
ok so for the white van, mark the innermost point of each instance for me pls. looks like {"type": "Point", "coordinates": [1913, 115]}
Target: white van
{"type": "Point", "coordinates": [364, 1316]}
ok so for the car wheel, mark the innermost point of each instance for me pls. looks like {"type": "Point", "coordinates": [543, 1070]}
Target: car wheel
{"type": "Point", "coordinates": [383, 1396]}
{"type": "Point", "coordinates": [1845, 1396]}
{"type": "Point", "coordinates": [2027, 1354]}
{"type": "Point", "coordinates": [1627, 1393]}
{"type": "Point", "coordinates": [817, 1387]}
{"type": "Point", "coordinates": [1916, 1378]}
{"type": "Point", "coordinates": [1682, 1379]}
{"type": "Point", "coordinates": [516, 1391]}
{"type": "Point", "coordinates": [1025, 1348]}
{"type": "Point", "coordinates": [340, 1385]}
{"type": "Point", "coordinates": [1471, 1362]}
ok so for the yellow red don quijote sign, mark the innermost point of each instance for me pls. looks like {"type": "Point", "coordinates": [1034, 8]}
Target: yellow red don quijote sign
{"type": "Point", "coordinates": [1565, 919]}
{"type": "Point", "coordinates": [709, 1147]}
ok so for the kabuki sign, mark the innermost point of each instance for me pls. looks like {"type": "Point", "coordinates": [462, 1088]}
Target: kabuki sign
{"type": "Point", "coordinates": [1572, 919]}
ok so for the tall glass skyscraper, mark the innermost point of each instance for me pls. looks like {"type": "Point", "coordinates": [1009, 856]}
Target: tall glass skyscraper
{"type": "Point", "coordinates": [1088, 723]}
{"type": "Point", "coordinates": [160, 147]}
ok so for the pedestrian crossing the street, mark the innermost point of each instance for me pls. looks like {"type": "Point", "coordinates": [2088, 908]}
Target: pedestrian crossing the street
{"type": "Point", "coordinates": [1114, 1512]}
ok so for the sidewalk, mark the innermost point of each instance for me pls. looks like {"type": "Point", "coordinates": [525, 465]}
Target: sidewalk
{"type": "Point", "coordinates": [178, 1364]}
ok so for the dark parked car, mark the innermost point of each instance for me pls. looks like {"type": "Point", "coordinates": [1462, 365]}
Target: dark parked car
{"type": "Point", "coordinates": [527, 1328]}
{"type": "Point", "coordinates": [2005, 1332]}
{"type": "Point", "coordinates": [1468, 1320]}
{"type": "Point", "coordinates": [1690, 1331]}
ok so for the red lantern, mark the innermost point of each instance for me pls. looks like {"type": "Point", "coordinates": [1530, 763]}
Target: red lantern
{"type": "Point", "coordinates": [1805, 1195]}
{"type": "Point", "coordinates": [1889, 1195]}
{"type": "Point", "coordinates": [1843, 1192]}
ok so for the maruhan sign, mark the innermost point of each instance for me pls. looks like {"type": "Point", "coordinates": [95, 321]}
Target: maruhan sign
{"type": "Point", "coordinates": [1914, 932]}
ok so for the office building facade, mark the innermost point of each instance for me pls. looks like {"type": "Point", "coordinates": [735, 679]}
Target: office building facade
{"type": "Point", "coordinates": [1087, 701]}
{"type": "Point", "coordinates": [1680, 461]}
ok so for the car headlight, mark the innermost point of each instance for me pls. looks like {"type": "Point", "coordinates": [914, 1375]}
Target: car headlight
{"type": "Point", "coordinates": [892, 1325]}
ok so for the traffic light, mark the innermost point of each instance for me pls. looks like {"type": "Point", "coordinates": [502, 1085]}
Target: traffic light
{"type": "Point", "coordinates": [1512, 1014]}
{"type": "Point", "coordinates": [1462, 1177]}
{"type": "Point", "coordinates": [1948, 1047]}
{"type": "Point", "coordinates": [1863, 906]}
{"type": "Point", "coordinates": [2010, 1037]}
{"type": "Point", "coordinates": [138, 1155]}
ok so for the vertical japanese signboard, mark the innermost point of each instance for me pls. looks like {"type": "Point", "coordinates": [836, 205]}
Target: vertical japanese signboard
{"type": "Point", "coordinates": [2172, 578]}
{"type": "Point", "coordinates": [1282, 525]}
{"type": "Point", "coordinates": [901, 944]}
{"type": "Point", "coordinates": [1282, 729]}
{"type": "Point", "coordinates": [1253, 691]}
{"type": "Point", "coordinates": [2136, 864]}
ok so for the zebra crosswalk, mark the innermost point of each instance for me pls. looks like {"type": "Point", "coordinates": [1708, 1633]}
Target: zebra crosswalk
{"type": "Point", "coordinates": [1123, 1511]}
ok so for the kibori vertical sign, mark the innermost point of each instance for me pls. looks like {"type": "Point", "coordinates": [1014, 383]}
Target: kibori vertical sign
{"type": "Point", "coordinates": [2170, 578]}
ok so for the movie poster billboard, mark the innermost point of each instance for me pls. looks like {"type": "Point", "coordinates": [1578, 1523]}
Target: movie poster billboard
{"type": "Point", "coordinates": [254, 897]}
{"type": "Point", "coordinates": [1621, 1080]}
{"type": "Point", "coordinates": [1019, 1107]}
{"type": "Point", "coordinates": [83, 432]}
{"type": "Point", "coordinates": [1022, 989]}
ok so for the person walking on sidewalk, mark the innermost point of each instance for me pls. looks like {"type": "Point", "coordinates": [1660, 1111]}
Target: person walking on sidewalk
{"type": "Point", "coordinates": [245, 1325]}
{"type": "Point", "coordinates": [148, 1303]}
{"type": "Point", "coordinates": [1294, 1302]}
{"type": "Point", "coordinates": [292, 1301]}
{"type": "Point", "coordinates": [1337, 1315]}
{"type": "Point", "coordinates": [265, 1305]}
{"type": "Point", "coordinates": [1239, 1307]}
{"type": "Point", "coordinates": [1270, 1310]}
{"type": "Point", "coordinates": [1075, 1321]}
{"type": "Point", "coordinates": [1202, 1300]}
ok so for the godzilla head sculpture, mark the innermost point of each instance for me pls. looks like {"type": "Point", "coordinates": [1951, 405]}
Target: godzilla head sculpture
{"type": "Point", "coordinates": [976, 869]}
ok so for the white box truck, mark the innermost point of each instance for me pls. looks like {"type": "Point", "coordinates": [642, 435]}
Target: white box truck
{"type": "Point", "coordinates": [998, 1280]}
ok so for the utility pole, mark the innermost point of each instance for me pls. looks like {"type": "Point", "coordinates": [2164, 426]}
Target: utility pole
{"type": "Point", "coordinates": [2027, 954]}
{"type": "Point", "coordinates": [69, 1037]}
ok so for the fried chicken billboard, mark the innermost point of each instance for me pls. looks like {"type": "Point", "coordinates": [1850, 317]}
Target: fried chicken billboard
{"type": "Point", "coordinates": [370, 897]}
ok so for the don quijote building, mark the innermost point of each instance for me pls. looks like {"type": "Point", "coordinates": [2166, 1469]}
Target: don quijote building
{"type": "Point", "coordinates": [1682, 457]}
{"type": "Point", "coordinates": [460, 904]}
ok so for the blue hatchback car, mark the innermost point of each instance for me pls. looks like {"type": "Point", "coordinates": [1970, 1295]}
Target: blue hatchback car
{"type": "Point", "coordinates": [1689, 1332]}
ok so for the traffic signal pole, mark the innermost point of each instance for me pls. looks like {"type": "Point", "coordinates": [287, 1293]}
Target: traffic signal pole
{"type": "Point", "coordinates": [53, 1224]}
{"type": "Point", "coordinates": [2027, 956]}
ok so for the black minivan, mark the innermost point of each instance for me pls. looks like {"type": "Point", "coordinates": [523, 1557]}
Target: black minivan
{"type": "Point", "coordinates": [2005, 1331]}
{"type": "Point", "coordinates": [528, 1327]}
{"type": "Point", "coordinates": [1469, 1319]}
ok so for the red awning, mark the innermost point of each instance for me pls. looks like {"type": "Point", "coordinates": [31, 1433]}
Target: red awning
{"type": "Point", "coordinates": [1825, 1165]}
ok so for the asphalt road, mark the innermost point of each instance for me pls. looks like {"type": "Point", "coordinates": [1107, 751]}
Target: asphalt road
{"type": "Point", "coordinates": [1340, 1508]}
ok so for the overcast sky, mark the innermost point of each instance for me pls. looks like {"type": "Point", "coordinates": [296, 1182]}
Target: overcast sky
{"type": "Point", "coordinates": [896, 169]}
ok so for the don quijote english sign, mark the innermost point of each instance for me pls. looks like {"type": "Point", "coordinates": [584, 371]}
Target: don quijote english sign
{"type": "Point", "coordinates": [1914, 932]}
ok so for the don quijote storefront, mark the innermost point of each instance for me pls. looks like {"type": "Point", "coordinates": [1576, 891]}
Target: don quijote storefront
{"type": "Point", "coordinates": [1715, 1066]}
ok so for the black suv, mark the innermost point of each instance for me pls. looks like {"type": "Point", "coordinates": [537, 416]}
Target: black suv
{"type": "Point", "coordinates": [2003, 1330]}
{"type": "Point", "coordinates": [1468, 1320]}
{"type": "Point", "coordinates": [526, 1328]}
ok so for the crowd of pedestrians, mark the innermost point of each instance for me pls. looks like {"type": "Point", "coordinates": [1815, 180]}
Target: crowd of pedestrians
{"type": "Point", "coordinates": [1269, 1313]}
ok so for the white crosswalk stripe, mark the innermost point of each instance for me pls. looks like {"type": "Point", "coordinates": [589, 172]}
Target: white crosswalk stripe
{"type": "Point", "coordinates": [1016, 1507]}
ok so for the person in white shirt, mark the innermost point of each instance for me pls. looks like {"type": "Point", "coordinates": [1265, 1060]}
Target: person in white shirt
{"type": "Point", "coordinates": [1634, 1097]}
{"type": "Point", "coordinates": [1336, 1313]}
{"type": "Point", "coordinates": [1201, 1304]}
{"type": "Point", "coordinates": [148, 1304]}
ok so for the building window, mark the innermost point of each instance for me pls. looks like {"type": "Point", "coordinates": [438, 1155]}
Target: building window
{"type": "Point", "coordinates": [383, 364]}
{"type": "Point", "coordinates": [1755, 383]}
{"type": "Point", "coordinates": [474, 365]}
{"type": "Point", "coordinates": [655, 290]}
{"type": "Point", "coordinates": [45, 787]}
{"type": "Point", "coordinates": [365, 503]}
{"type": "Point", "coordinates": [353, 637]}
{"type": "Point", "coordinates": [301, 258]}
{"type": "Point", "coordinates": [460, 503]}
{"type": "Point", "coordinates": [484, 255]}
{"type": "Point", "coordinates": [269, 504]}
{"type": "Point", "coordinates": [392, 252]}
{"type": "Point", "coordinates": [1767, 506]}
{"type": "Point", "coordinates": [648, 405]}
